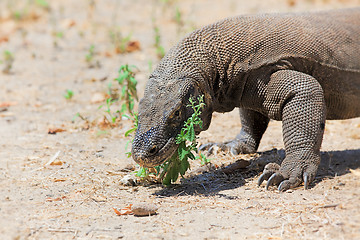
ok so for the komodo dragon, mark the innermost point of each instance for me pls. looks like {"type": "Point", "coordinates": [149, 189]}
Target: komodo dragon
{"type": "Point", "coordinates": [298, 68]}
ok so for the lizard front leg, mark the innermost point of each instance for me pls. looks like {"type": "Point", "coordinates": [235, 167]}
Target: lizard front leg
{"type": "Point", "coordinates": [253, 126]}
{"type": "Point", "coordinates": [298, 100]}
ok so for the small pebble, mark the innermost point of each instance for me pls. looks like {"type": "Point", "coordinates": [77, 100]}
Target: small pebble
{"type": "Point", "coordinates": [144, 209]}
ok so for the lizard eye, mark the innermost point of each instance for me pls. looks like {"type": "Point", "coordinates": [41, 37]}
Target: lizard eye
{"type": "Point", "coordinates": [177, 113]}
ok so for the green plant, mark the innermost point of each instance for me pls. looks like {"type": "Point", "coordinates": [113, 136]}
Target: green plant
{"type": "Point", "coordinates": [58, 34]}
{"type": "Point", "coordinates": [19, 11]}
{"type": "Point", "coordinates": [8, 59]}
{"type": "Point", "coordinates": [108, 103]}
{"type": "Point", "coordinates": [179, 21]}
{"type": "Point", "coordinates": [160, 51]}
{"type": "Point", "coordinates": [43, 3]}
{"type": "Point", "coordinates": [120, 42]}
{"type": "Point", "coordinates": [150, 65]}
{"type": "Point", "coordinates": [128, 93]}
{"type": "Point", "coordinates": [126, 96]}
{"type": "Point", "coordinates": [78, 115]}
{"type": "Point", "coordinates": [26, 10]}
{"type": "Point", "coordinates": [134, 118]}
{"type": "Point", "coordinates": [178, 164]}
{"type": "Point", "coordinates": [90, 55]}
{"type": "Point", "coordinates": [68, 94]}
{"type": "Point", "coordinates": [178, 18]}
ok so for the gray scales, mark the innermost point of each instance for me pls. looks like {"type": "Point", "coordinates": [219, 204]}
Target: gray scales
{"type": "Point", "coordinates": [298, 68]}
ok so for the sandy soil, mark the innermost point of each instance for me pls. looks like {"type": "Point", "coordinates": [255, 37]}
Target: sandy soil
{"type": "Point", "coordinates": [73, 198]}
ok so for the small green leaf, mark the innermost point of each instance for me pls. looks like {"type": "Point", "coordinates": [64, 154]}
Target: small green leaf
{"type": "Point", "coordinates": [127, 133]}
{"type": "Point", "coordinates": [123, 108]}
{"type": "Point", "coordinates": [191, 136]}
{"type": "Point", "coordinates": [42, 3]}
{"type": "Point", "coordinates": [184, 166]}
{"type": "Point", "coordinates": [183, 152]}
{"type": "Point", "coordinates": [123, 91]}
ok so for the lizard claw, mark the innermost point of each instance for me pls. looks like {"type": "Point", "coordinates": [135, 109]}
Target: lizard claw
{"type": "Point", "coordinates": [275, 179]}
{"type": "Point", "coordinates": [276, 175]}
{"type": "Point", "coordinates": [306, 180]}
{"type": "Point", "coordinates": [235, 147]}
{"type": "Point", "coordinates": [213, 148]}
{"type": "Point", "coordinates": [269, 170]}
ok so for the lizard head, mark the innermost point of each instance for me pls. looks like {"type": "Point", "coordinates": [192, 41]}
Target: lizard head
{"type": "Point", "coordinates": [162, 112]}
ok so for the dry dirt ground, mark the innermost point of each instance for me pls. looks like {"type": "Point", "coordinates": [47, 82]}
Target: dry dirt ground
{"type": "Point", "coordinates": [73, 198]}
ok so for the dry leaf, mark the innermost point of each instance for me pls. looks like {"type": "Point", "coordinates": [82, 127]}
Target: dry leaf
{"type": "Point", "coordinates": [4, 39]}
{"type": "Point", "coordinates": [133, 46]}
{"type": "Point", "coordinates": [56, 162]}
{"type": "Point", "coordinates": [108, 54]}
{"type": "Point", "coordinates": [60, 179]}
{"type": "Point", "coordinates": [55, 130]}
{"type": "Point", "coordinates": [291, 3]}
{"type": "Point", "coordinates": [117, 212]}
{"type": "Point", "coordinates": [124, 211]}
{"type": "Point", "coordinates": [355, 136]}
{"type": "Point", "coordinates": [68, 23]}
{"type": "Point", "coordinates": [55, 199]}
{"type": "Point", "coordinates": [7, 104]}
{"type": "Point", "coordinates": [105, 124]}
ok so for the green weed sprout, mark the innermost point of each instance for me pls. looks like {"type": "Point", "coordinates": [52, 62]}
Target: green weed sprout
{"type": "Point", "coordinates": [178, 164]}
{"type": "Point", "coordinates": [126, 97]}
{"type": "Point", "coordinates": [128, 93]}
{"type": "Point", "coordinates": [68, 94]}
{"type": "Point", "coordinates": [8, 59]}
{"type": "Point", "coordinates": [43, 3]}
{"type": "Point", "coordinates": [90, 55]}
{"type": "Point", "coordinates": [160, 51]}
{"type": "Point", "coordinates": [179, 20]}
{"type": "Point", "coordinates": [120, 43]}
{"type": "Point", "coordinates": [134, 118]}
{"type": "Point", "coordinates": [108, 103]}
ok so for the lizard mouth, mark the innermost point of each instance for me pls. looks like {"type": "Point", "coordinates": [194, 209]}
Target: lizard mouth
{"type": "Point", "coordinates": [160, 156]}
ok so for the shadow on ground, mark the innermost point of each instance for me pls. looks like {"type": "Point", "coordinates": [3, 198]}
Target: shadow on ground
{"type": "Point", "coordinates": [338, 162]}
{"type": "Point", "coordinates": [211, 183]}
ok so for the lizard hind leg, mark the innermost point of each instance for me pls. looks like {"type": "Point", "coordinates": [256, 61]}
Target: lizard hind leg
{"type": "Point", "coordinates": [298, 100]}
{"type": "Point", "coordinates": [253, 126]}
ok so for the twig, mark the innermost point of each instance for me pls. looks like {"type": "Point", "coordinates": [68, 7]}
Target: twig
{"type": "Point", "coordinates": [53, 158]}
{"type": "Point", "coordinates": [62, 230]}
{"type": "Point", "coordinates": [48, 163]}
{"type": "Point", "coordinates": [325, 206]}
{"type": "Point", "coordinates": [329, 205]}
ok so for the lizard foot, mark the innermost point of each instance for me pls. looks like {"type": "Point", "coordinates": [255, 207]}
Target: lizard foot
{"type": "Point", "coordinates": [235, 147]}
{"type": "Point", "coordinates": [288, 175]}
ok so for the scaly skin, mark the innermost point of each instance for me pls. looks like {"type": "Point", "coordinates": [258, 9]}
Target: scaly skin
{"type": "Point", "coordinates": [300, 69]}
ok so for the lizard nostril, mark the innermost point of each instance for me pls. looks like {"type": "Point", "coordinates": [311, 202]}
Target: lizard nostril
{"type": "Point", "coordinates": [153, 149]}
